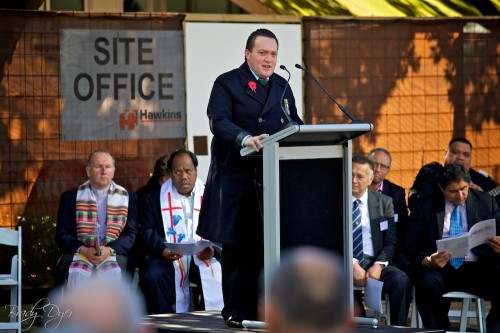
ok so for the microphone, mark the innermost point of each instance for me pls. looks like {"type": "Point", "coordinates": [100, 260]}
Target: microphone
{"type": "Point", "coordinates": [353, 119]}
{"type": "Point", "coordinates": [284, 102]}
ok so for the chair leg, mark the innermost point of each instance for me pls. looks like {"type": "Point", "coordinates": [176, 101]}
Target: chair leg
{"type": "Point", "coordinates": [387, 310]}
{"type": "Point", "coordinates": [135, 280]}
{"type": "Point", "coordinates": [465, 314]}
{"type": "Point", "coordinates": [13, 301]}
{"type": "Point", "coordinates": [416, 320]}
{"type": "Point", "coordinates": [481, 325]}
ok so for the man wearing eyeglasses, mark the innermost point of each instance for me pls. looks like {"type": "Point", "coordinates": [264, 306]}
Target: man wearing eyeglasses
{"type": "Point", "coordinates": [459, 151]}
{"type": "Point", "coordinates": [382, 161]}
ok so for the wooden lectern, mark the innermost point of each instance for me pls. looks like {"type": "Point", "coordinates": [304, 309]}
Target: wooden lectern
{"type": "Point", "coordinates": [307, 191]}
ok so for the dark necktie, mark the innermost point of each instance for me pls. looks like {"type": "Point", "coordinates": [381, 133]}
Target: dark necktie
{"type": "Point", "coordinates": [357, 231]}
{"type": "Point", "coordinates": [456, 230]}
{"type": "Point", "coordinates": [263, 81]}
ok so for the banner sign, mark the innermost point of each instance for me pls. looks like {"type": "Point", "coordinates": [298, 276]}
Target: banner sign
{"type": "Point", "coordinates": [122, 84]}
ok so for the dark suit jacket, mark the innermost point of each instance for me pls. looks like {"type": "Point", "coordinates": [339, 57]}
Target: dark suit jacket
{"type": "Point", "coordinates": [426, 223]}
{"type": "Point", "coordinates": [397, 193]}
{"type": "Point", "coordinates": [138, 252]}
{"type": "Point", "coordinates": [235, 111]}
{"type": "Point", "coordinates": [381, 209]}
{"type": "Point", "coordinates": [152, 230]}
{"type": "Point", "coordinates": [66, 238]}
{"type": "Point", "coordinates": [427, 182]}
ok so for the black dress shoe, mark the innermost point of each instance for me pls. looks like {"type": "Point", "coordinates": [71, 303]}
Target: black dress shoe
{"type": "Point", "coordinates": [235, 321]}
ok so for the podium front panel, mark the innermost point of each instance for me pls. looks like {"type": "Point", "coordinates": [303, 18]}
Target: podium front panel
{"type": "Point", "coordinates": [311, 203]}
{"type": "Point", "coordinates": [307, 190]}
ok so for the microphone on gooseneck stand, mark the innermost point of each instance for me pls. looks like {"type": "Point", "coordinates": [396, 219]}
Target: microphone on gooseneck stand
{"type": "Point", "coordinates": [353, 119]}
{"type": "Point", "coordinates": [284, 102]}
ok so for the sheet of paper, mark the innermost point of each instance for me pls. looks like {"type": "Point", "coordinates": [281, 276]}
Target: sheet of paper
{"type": "Point", "coordinates": [480, 232]}
{"type": "Point", "coordinates": [190, 247]}
{"type": "Point", "coordinates": [461, 245]}
{"type": "Point", "coordinates": [373, 295]}
{"type": "Point", "coordinates": [458, 245]}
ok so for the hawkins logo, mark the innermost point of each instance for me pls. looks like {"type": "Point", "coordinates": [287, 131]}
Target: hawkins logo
{"type": "Point", "coordinates": [129, 119]}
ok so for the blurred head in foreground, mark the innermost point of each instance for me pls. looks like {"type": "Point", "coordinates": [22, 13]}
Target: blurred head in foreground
{"type": "Point", "coordinates": [99, 306]}
{"type": "Point", "coordinates": [307, 294]}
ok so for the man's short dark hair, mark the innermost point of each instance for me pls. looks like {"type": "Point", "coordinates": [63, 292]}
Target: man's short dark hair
{"type": "Point", "coordinates": [308, 287]}
{"type": "Point", "coordinates": [363, 160]}
{"type": "Point", "coordinates": [459, 139]}
{"type": "Point", "coordinates": [178, 152]}
{"type": "Point", "coordinates": [262, 33]}
{"type": "Point", "coordinates": [160, 170]}
{"type": "Point", "coordinates": [453, 173]}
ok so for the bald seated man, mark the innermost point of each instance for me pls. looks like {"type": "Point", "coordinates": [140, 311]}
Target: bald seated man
{"type": "Point", "coordinates": [99, 306]}
{"type": "Point", "coordinates": [307, 294]}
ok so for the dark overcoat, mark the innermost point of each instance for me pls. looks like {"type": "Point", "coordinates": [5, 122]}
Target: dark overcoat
{"type": "Point", "coordinates": [235, 110]}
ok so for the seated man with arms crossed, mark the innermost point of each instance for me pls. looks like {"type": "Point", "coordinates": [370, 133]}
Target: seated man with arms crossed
{"type": "Point", "coordinates": [382, 161]}
{"type": "Point", "coordinates": [459, 151]}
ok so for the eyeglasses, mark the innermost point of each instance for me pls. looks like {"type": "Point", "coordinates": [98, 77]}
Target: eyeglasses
{"type": "Point", "coordinates": [382, 166]}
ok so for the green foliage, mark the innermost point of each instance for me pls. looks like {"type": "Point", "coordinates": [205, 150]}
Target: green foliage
{"type": "Point", "coordinates": [39, 250]}
{"type": "Point", "coordinates": [385, 8]}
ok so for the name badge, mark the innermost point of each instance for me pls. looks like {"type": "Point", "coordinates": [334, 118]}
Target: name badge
{"type": "Point", "coordinates": [396, 218]}
{"type": "Point", "coordinates": [384, 225]}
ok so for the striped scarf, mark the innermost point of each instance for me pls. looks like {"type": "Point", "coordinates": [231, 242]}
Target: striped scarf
{"type": "Point", "coordinates": [86, 213]}
{"type": "Point", "coordinates": [81, 268]}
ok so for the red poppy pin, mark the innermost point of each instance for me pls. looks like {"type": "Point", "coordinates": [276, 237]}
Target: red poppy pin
{"type": "Point", "coordinates": [252, 86]}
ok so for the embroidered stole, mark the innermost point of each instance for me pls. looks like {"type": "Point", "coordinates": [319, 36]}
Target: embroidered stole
{"type": "Point", "coordinates": [177, 230]}
{"type": "Point", "coordinates": [86, 229]}
{"type": "Point", "coordinates": [86, 213]}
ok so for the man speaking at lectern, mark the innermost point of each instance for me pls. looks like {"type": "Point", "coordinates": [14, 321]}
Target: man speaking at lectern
{"type": "Point", "coordinates": [246, 105]}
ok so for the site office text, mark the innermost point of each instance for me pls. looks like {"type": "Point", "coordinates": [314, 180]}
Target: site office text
{"type": "Point", "coordinates": [117, 52]}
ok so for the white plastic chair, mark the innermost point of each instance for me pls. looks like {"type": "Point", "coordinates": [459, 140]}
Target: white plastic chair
{"type": "Point", "coordinates": [415, 321]}
{"type": "Point", "coordinates": [13, 280]}
{"type": "Point", "coordinates": [465, 314]}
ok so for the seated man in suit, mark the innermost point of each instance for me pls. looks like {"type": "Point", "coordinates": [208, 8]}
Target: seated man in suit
{"type": "Point", "coordinates": [170, 214]}
{"type": "Point", "coordinates": [459, 151]}
{"type": "Point", "coordinates": [159, 176]}
{"type": "Point", "coordinates": [436, 216]}
{"type": "Point", "coordinates": [96, 225]}
{"type": "Point", "coordinates": [382, 161]}
{"type": "Point", "coordinates": [375, 240]}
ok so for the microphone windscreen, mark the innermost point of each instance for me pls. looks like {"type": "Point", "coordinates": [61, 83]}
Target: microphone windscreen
{"type": "Point", "coordinates": [282, 67]}
{"type": "Point", "coordinates": [298, 66]}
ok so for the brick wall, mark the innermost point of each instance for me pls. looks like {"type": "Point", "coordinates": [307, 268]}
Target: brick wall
{"type": "Point", "coordinates": [36, 165]}
{"type": "Point", "coordinates": [420, 82]}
